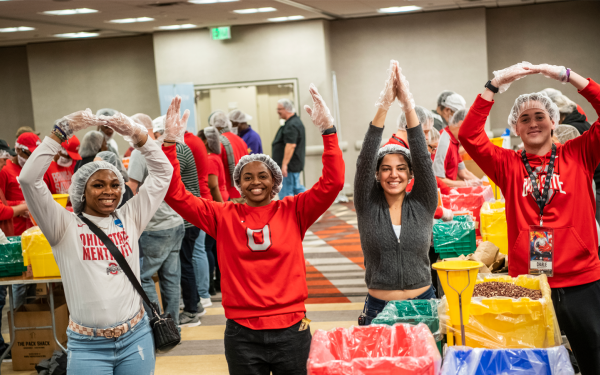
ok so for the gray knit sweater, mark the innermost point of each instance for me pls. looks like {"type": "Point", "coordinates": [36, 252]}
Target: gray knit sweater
{"type": "Point", "coordinates": [392, 263]}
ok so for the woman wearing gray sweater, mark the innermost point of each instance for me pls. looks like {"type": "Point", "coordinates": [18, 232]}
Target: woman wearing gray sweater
{"type": "Point", "coordinates": [395, 226]}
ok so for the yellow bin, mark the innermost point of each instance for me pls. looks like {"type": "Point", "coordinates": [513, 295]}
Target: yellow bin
{"type": "Point", "coordinates": [458, 277]}
{"type": "Point", "coordinates": [61, 199]}
{"type": "Point", "coordinates": [493, 225]}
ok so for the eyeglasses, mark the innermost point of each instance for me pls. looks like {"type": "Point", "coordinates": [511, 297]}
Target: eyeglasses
{"type": "Point", "coordinates": [431, 148]}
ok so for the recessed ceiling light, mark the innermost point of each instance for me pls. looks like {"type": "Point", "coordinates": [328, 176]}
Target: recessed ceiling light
{"type": "Point", "coordinates": [283, 19]}
{"type": "Point", "coordinates": [81, 34]}
{"type": "Point", "coordinates": [408, 8]}
{"type": "Point", "coordinates": [176, 27]}
{"type": "Point", "coordinates": [132, 20]}
{"type": "Point", "coordinates": [210, 1]}
{"type": "Point", "coordinates": [68, 12]}
{"type": "Point", "coordinates": [255, 10]}
{"type": "Point", "coordinates": [15, 29]}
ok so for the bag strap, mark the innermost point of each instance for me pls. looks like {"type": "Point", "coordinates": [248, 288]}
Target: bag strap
{"type": "Point", "coordinates": [114, 251]}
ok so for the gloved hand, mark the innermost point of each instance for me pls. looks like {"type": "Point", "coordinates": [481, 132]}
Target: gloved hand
{"type": "Point", "coordinates": [319, 114]}
{"type": "Point", "coordinates": [79, 120]}
{"type": "Point", "coordinates": [448, 215]}
{"type": "Point", "coordinates": [503, 78]}
{"type": "Point", "coordinates": [388, 94]}
{"type": "Point", "coordinates": [475, 182]}
{"type": "Point", "coordinates": [174, 125]}
{"type": "Point", "coordinates": [405, 98]}
{"type": "Point", "coordinates": [124, 125]}
{"type": "Point", "coordinates": [556, 72]}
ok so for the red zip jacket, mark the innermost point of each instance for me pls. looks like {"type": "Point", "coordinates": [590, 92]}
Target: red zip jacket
{"type": "Point", "coordinates": [239, 149]}
{"type": "Point", "coordinates": [12, 192]}
{"type": "Point", "coordinates": [572, 202]}
{"type": "Point", "coordinates": [263, 274]}
{"type": "Point", "coordinates": [201, 158]}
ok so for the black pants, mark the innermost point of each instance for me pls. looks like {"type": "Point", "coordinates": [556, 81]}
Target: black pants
{"type": "Point", "coordinates": [189, 289]}
{"type": "Point", "coordinates": [578, 313]}
{"type": "Point", "coordinates": [260, 352]}
{"type": "Point", "coordinates": [373, 306]}
{"type": "Point", "coordinates": [211, 247]}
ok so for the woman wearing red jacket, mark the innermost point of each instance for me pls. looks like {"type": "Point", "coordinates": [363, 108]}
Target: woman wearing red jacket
{"type": "Point", "coordinates": [548, 186]}
{"type": "Point", "coordinates": [263, 274]}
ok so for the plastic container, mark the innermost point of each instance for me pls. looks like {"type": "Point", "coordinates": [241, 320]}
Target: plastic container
{"type": "Point", "coordinates": [38, 253]}
{"type": "Point", "coordinates": [454, 238]}
{"type": "Point", "coordinates": [61, 199]}
{"type": "Point", "coordinates": [502, 322]}
{"type": "Point", "coordinates": [375, 349]}
{"type": "Point", "coordinates": [44, 265]}
{"type": "Point", "coordinates": [458, 278]}
{"type": "Point", "coordinates": [468, 361]}
{"type": "Point", "coordinates": [11, 258]}
{"type": "Point", "coordinates": [493, 225]}
{"type": "Point", "coordinates": [469, 199]}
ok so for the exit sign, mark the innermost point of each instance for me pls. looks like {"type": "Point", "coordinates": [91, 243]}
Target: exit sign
{"type": "Point", "coordinates": [220, 33]}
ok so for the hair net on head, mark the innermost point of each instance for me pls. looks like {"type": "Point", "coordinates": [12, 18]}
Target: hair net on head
{"type": "Point", "coordinates": [434, 136]}
{"type": "Point", "coordinates": [551, 93]}
{"type": "Point", "coordinates": [455, 102]}
{"type": "Point", "coordinates": [110, 157]}
{"type": "Point", "coordinates": [424, 115]}
{"type": "Point", "coordinates": [287, 104]}
{"type": "Point", "coordinates": [394, 149]}
{"type": "Point", "coordinates": [219, 120]}
{"type": "Point", "coordinates": [238, 116]}
{"type": "Point", "coordinates": [566, 133]}
{"type": "Point", "coordinates": [91, 144]}
{"type": "Point", "coordinates": [4, 154]}
{"type": "Point", "coordinates": [213, 139]}
{"type": "Point", "coordinates": [564, 104]}
{"type": "Point", "coordinates": [442, 97]}
{"type": "Point", "coordinates": [79, 182]}
{"type": "Point", "coordinates": [268, 162]}
{"type": "Point", "coordinates": [158, 124]}
{"type": "Point", "coordinates": [457, 117]}
{"type": "Point", "coordinates": [529, 101]}
{"type": "Point", "coordinates": [143, 119]}
{"type": "Point", "coordinates": [106, 112]}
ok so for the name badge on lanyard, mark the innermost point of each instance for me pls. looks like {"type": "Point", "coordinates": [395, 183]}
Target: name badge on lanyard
{"type": "Point", "coordinates": [541, 238]}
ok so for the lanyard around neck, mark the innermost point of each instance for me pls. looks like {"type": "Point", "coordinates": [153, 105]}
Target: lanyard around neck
{"type": "Point", "coordinates": [540, 199]}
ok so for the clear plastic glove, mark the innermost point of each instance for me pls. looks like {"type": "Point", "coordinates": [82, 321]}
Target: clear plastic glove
{"type": "Point", "coordinates": [174, 125]}
{"type": "Point", "coordinates": [124, 125]}
{"type": "Point", "coordinates": [79, 120]}
{"type": "Point", "coordinates": [319, 114]}
{"type": "Point", "coordinates": [388, 94]}
{"type": "Point", "coordinates": [447, 215]}
{"type": "Point", "coordinates": [503, 78]}
{"type": "Point", "coordinates": [475, 182]}
{"type": "Point", "coordinates": [405, 98]}
{"type": "Point", "coordinates": [556, 72]}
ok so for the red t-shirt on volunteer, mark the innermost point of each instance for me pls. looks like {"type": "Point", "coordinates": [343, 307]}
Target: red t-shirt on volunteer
{"type": "Point", "coordinates": [239, 149]}
{"type": "Point", "coordinates": [201, 158]}
{"type": "Point", "coordinates": [58, 179]}
{"type": "Point", "coordinates": [215, 166]}
{"type": "Point", "coordinates": [14, 196]}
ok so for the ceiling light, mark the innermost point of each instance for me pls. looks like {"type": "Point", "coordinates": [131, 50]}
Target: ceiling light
{"type": "Point", "coordinates": [15, 29]}
{"type": "Point", "coordinates": [408, 8]}
{"type": "Point", "coordinates": [132, 20]}
{"type": "Point", "coordinates": [283, 19]}
{"type": "Point", "coordinates": [255, 10]}
{"type": "Point", "coordinates": [68, 12]}
{"type": "Point", "coordinates": [176, 27]}
{"type": "Point", "coordinates": [210, 1]}
{"type": "Point", "coordinates": [81, 34]}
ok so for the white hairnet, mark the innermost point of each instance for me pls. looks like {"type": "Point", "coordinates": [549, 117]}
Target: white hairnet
{"type": "Point", "coordinates": [91, 144]}
{"type": "Point", "coordinates": [287, 104]}
{"type": "Point", "coordinates": [566, 133]}
{"type": "Point", "coordinates": [457, 117]}
{"type": "Point", "coordinates": [434, 136]}
{"type": "Point", "coordinates": [268, 162]}
{"type": "Point", "coordinates": [442, 97]}
{"type": "Point", "coordinates": [564, 104]}
{"type": "Point", "coordinates": [106, 112]}
{"type": "Point", "coordinates": [424, 115]}
{"type": "Point", "coordinates": [238, 116]}
{"type": "Point", "coordinates": [551, 93]}
{"type": "Point", "coordinates": [143, 119]}
{"type": "Point", "coordinates": [394, 149]}
{"type": "Point", "coordinates": [158, 124]}
{"type": "Point", "coordinates": [529, 101]}
{"type": "Point", "coordinates": [110, 157]}
{"type": "Point", "coordinates": [455, 102]}
{"type": "Point", "coordinates": [213, 139]}
{"type": "Point", "coordinates": [79, 182]}
{"type": "Point", "coordinates": [4, 154]}
{"type": "Point", "coordinates": [219, 120]}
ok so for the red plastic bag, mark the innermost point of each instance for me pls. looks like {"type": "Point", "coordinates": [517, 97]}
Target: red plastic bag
{"type": "Point", "coordinates": [469, 199]}
{"type": "Point", "coordinates": [376, 349]}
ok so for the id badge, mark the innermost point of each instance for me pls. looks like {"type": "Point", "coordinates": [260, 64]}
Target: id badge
{"type": "Point", "coordinates": [541, 250]}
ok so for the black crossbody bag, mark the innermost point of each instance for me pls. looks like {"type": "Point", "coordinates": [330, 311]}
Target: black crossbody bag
{"type": "Point", "coordinates": [166, 334]}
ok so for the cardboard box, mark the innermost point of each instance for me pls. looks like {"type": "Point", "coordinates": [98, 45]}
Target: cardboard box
{"type": "Point", "coordinates": [32, 345]}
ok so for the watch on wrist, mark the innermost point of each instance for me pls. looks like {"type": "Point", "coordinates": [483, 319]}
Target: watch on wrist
{"type": "Point", "coordinates": [330, 130]}
{"type": "Point", "coordinates": [491, 87]}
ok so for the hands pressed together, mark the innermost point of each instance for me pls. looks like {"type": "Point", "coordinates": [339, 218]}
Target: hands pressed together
{"type": "Point", "coordinates": [396, 86]}
{"type": "Point", "coordinates": [505, 77]}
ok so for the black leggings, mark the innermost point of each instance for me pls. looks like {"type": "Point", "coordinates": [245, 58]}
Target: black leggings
{"type": "Point", "coordinates": [213, 262]}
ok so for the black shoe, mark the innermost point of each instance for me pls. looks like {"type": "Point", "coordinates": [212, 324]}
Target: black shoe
{"type": "Point", "coordinates": [212, 291]}
{"type": "Point", "coordinates": [3, 349]}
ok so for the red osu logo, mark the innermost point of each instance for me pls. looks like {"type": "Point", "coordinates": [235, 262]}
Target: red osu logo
{"type": "Point", "coordinates": [113, 269]}
{"type": "Point", "coordinates": [259, 239]}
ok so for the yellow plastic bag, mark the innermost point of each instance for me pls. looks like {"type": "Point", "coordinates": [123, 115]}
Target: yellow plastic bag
{"type": "Point", "coordinates": [493, 225]}
{"type": "Point", "coordinates": [38, 253]}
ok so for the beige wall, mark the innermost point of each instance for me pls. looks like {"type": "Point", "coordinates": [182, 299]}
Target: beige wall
{"type": "Point", "coordinates": [15, 94]}
{"type": "Point", "coordinates": [115, 73]}
{"type": "Point", "coordinates": [563, 33]}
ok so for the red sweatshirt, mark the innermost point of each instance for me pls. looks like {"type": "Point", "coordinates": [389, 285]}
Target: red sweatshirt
{"type": "Point", "coordinates": [263, 274]}
{"type": "Point", "coordinates": [6, 217]}
{"type": "Point", "coordinates": [201, 158]}
{"type": "Point", "coordinates": [12, 191]}
{"type": "Point", "coordinates": [572, 202]}
{"type": "Point", "coordinates": [239, 149]}
{"type": "Point", "coordinates": [58, 179]}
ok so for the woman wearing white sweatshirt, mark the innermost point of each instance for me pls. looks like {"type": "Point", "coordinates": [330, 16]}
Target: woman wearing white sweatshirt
{"type": "Point", "coordinates": [108, 329]}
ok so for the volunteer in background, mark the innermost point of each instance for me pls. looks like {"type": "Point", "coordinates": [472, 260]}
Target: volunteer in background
{"type": "Point", "coordinates": [433, 142]}
{"type": "Point", "coordinates": [239, 120]}
{"type": "Point", "coordinates": [8, 211]}
{"type": "Point", "coordinates": [58, 175]}
{"type": "Point", "coordinates": [260, 250]}
{"type": "Point", "coordinates": [26, 129]}
{"type": "Point", "coordinates": [92, 143]}
{"type": "Point", "coordinates": [560, 176]}
{"type": "Point", "coordinates": [447, 104]}
{"type": "Point", "coordinates": [109, 331]}
{"type": "Point", "coordinates": [232, 150]}
{"type": "Point", "coordinates": [107, 132]}
{"type": "Point", "coordinates": [553, 93]}
{"type": "Point", "coordinates": [448, 164]}
{"type": "Point", "coordinates": [425, 119]}
{"type": "Point", "coordinates": [395, 249]}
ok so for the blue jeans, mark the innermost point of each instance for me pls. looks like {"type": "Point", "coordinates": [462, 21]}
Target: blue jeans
{"type": "Point", "coordinates": [161, 254]}
{"type": "Point", "coordinates": [291, 185]}
{"type": "Point", "coordinates": [131, 353]}
{"type": "Point", "coordinates": [374, 306]}
{"type": "Point", "coordinates": [201, 268]}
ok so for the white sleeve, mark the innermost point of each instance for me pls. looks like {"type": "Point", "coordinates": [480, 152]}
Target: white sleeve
{"type": "Point", "coordinates": [50, 216]}
{"type": "Point", "coordinates": [439, 162]}
{"type": "Point", "coordinates": [142, 206]}
{"type": "Point", "coordinates": [461, 166]}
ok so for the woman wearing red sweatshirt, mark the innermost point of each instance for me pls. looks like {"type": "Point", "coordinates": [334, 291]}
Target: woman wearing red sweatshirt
{"type": "Point", "coordinates": [551, 186]}
{"type": "Point", "coordinates": [263, 274]}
